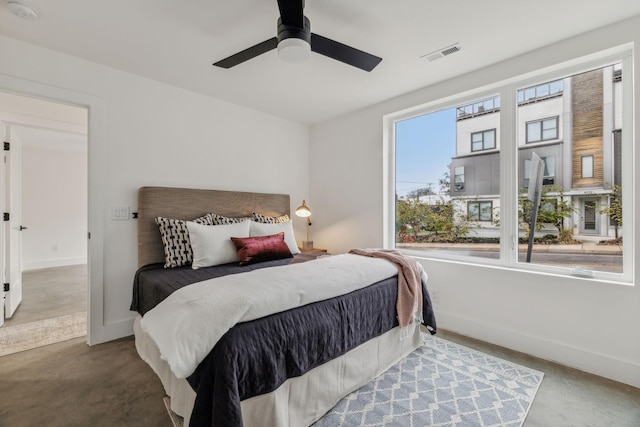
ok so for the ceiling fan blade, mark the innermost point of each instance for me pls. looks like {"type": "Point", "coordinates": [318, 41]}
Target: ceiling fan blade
{"type": "Point", "coordinates": [343, 53]}
{"type": "Point", "coordinates": [247, 54]}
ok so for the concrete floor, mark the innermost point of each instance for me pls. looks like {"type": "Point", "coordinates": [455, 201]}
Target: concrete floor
{"type": "Point", "coordinates": [71, 384]}
{"type": "Point", "coordinates": [53, 309]}
{"type": "Point", "coordinates": [51, 292]}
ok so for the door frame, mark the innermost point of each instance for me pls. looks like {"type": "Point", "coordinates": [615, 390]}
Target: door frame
{"type": "Point", "coordinates": [583, 230]}
{"type": "Point", "coordinates": [96, 172]}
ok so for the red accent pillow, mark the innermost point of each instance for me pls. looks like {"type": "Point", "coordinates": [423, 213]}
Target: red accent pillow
{"type": "Point", "coordinates": [261, 248]}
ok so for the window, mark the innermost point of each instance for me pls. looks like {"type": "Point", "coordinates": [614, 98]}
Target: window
{"type": "Point", "coordinates": [485, 140]}
{"type": "Point", "coordinates": [587, 166]}
{"type": "Point", "coordinates": [458, 178]}
{"type": "Point", "coordinates": [542, 130]}
{"type": "Point", "coordinates": [540, 92]}
{"type": "Point", "coordinates": [459, 150]}
{"type": "Point", "coordinates": [432, 149]}
{"type": "Point", "coordinates": [549, 174]}
{"type": "Point", "coordinates": [480, 211]}
{"type": "Point", "coordinates": [484, 106]}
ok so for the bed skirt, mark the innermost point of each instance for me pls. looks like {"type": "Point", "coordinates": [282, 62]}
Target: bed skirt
{"type": "Point", "coordinates": [302, 400]}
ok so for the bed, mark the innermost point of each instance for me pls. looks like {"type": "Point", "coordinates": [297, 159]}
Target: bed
{"type": "Point", "coordinates": [285, 368]}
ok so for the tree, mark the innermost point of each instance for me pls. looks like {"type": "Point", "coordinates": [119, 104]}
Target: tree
{"type": "Point", "coordinates": [445, 182]}
{"type": "Point", "coordinates": [409, 215]}
{"type": "Point", "coordinates": [614, 209]}
{"type": "Point", "coordinates": [554, 209]}
{"type": "Point", "coordinates": [415, 194]}
{"type": "Point", "coordinates": [440, 221]}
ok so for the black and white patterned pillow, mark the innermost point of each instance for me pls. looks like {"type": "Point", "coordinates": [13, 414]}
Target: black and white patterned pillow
{"type": "Point", "coordinates": [222, 220]}
{"type": "Point", "coordinates": [263, 219]}
{"type": "Point", "coordinates": [175, 240]}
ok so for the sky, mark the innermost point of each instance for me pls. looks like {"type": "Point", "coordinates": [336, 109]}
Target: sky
{"type": "Point", "coordinates": [424, 148]}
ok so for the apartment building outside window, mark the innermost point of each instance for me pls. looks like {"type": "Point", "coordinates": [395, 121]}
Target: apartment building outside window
{"type": "Point", "coordinates": [573, 122]}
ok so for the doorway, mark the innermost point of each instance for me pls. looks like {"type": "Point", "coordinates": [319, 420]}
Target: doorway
{"type": "Point", "coordinates": [589, 217]}
{"type": "Point", "coordinates": [52, 141]}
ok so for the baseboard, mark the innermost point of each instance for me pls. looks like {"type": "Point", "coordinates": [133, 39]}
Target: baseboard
{"type": "Point", "coordinates": [114, 330]}
{"type": "Point", "coordinates": [603, 365]}
{"type": "Point", "coordinates": [50, 263]}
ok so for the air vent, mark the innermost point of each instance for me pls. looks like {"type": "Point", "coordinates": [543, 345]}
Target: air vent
{"type": "Point", "coordinates": [441, 53]}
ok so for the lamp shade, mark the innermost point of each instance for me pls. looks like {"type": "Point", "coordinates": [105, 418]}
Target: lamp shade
{"type": "Point", "coordinates": [303, 210]}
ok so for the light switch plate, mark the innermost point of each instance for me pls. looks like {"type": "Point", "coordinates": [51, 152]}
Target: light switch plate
{"type": "Point", "coordinates": [120, 213]}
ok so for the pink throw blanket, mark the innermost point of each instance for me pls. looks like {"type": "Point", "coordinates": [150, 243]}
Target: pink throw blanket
{"type": "Point", "coordinates": [409, 283]}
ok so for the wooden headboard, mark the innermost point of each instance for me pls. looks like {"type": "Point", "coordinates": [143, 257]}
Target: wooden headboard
{"type": "Point", "coordinates": [188, 204]}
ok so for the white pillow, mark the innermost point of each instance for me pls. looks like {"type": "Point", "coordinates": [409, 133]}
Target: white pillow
{"type": "Point", "coordinates": [212, 244]}
{"type": "Point", "coordinates": [258, 229]}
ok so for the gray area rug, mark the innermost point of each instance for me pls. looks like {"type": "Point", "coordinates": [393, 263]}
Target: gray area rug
{"type": "Point", "coordinates": [439, 384]}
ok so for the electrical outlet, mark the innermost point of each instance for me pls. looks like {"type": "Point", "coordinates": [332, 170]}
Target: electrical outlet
{"type": "Point", "coordinates": [435, 295]}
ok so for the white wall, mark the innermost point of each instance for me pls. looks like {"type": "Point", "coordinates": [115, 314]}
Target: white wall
{"type": "Point", "coordinates": [590, 325]}
{"type": "Point", "coordinates": [54, 205]}
{"type": "Point", "coordinates": [154, 134]}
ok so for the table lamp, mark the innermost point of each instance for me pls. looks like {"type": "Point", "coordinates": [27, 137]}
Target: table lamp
{"type": "Point", "coordinates": [304, 212]}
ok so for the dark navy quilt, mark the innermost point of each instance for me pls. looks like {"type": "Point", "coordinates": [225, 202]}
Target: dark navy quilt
{"type": "Point", "coordinates": [256, 357]}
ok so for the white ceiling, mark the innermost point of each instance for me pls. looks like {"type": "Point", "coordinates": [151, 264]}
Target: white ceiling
{"type": "Point", "coordinates": [176, 42]}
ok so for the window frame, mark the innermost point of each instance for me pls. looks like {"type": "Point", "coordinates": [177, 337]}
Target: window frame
{"type": "Point", "coordinates": [483, 133]}
{"type": "Point", "coordinates": [527, 173]}
{"type": "Point", "coordinates": [507, 91]}
{"type": "Point", "coordinates": [582, 166]}
{"type": "Point", "coordinates": [458, 184]}
{"type": "Point", "coordinates": [542, 129]}
{"type": "Point", "coordinates": [535, 89]}
{"type": "Point", "coordinates": [480, 203]}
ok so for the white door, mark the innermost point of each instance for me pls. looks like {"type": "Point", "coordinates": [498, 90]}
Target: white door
{"type": "Point", "coordinates": [3, 174]}
{"type": "Point", "coordinates": [13, 226]}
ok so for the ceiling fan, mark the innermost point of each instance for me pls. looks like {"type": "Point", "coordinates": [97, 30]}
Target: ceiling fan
{"type": "Point", "coordinates": [295, 40]}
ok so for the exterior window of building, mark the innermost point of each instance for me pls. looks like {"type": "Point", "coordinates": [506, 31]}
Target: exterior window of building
{"type": "Point", "coordinates": [458, 178]}
{"type": "Point", "coordinates": [480, 211]}
{"type": "Point", "coordinates": [549, 174]}
{"type": "Point", "coordinates": [540, 92]}
{"type": "Point", "coordinates": [446, 182]}
{"type": "Point", "coordinates": [542, 130]}
{"type": "Point", "coordinates": [485, 140]}
{"type": "Point", "coordinates": [587, 166]}
{"type": "Point", "coordinates": [484, 106]}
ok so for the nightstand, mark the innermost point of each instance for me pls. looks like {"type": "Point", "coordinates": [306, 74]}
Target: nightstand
{"type": "Point", "coordinates": [313, 251]}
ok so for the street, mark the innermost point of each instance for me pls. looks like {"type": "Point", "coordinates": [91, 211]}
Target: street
{"type": "Point", "coordinates": [609, 262]}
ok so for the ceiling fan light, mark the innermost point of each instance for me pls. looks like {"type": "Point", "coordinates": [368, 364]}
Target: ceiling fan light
{"type": "Point", "coordinates": [294, 50]}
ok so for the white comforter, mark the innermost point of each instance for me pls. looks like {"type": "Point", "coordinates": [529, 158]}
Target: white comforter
{"type": "Point", "coordinates": [187, 325]}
